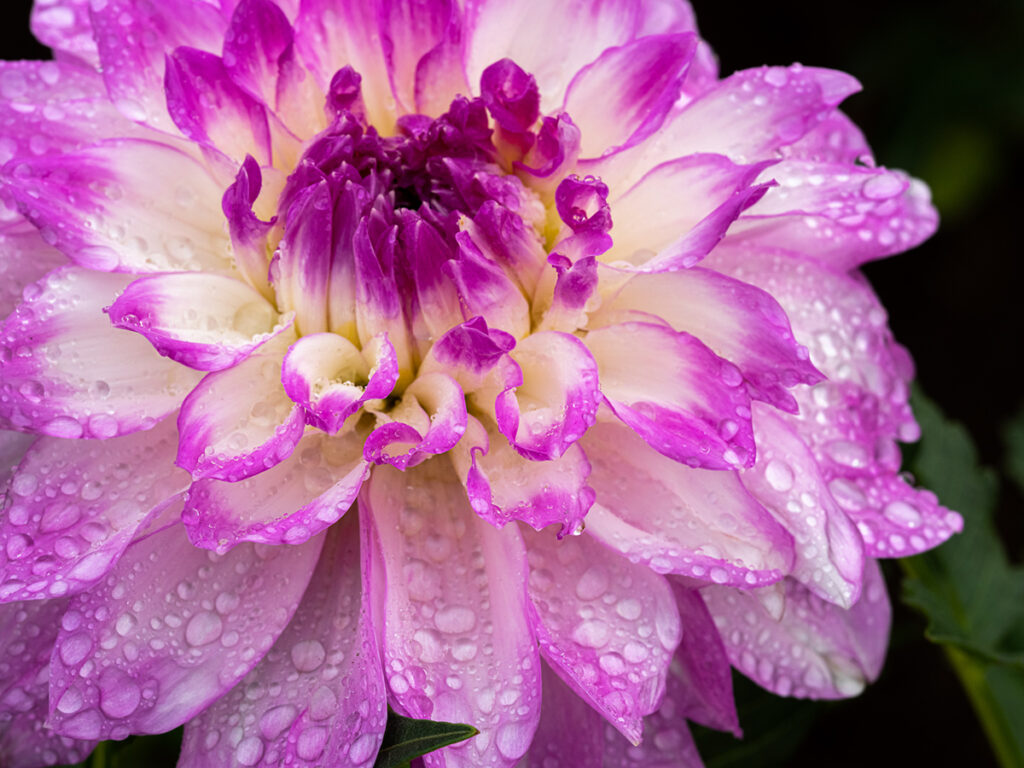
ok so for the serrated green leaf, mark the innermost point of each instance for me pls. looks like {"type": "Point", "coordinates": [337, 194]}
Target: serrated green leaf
{"type": "Point", "coordinates": [972, 596]}
{"type": "Point", "coordinates": [406, 739]}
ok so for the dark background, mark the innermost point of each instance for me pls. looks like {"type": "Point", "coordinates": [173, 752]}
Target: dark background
{"type": "Point", "coordinates": [944, 99]}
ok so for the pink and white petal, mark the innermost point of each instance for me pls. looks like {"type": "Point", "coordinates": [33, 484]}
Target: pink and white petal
{"type": "Point", "coordinates": [208, 107]}
{"type": "Point", "coordinates": [836, 139]}
{"type": "Point", "coordinates": [409, 30]}
{"type": "Point", "coordinates": [503, 485]}
{"type": "Point", "coordinates": [457, 644]}
{"type": "Point", "coordinates": [703, 189]}
{"type": "Point", "coordinates": [787, 481]}
{"type": "Point", "coordinates": [817, 650]}
{"type": "Point", "coordinates": [330, 377]}
{"type": "Point", "coordinates": [557, 400]}
{"type": "Point", "coordinates": [608, 627]}
{"type": "Point", "coordinates": [331, 34]}
{"type": "Point", "coordinates": [133, 38]}
{"type": "Point", "coordinates": [700, 679]}
{"type": "Point", "coordinates": [73, 507]}
{"type": "Point", "coordinates": [684, 400]}
{"type": "Point", "coordinates": [321, 698]}
{"type": "Point", "coordinates": [286, 504]}
{"type": "Point", "coordinates": [256, 41]}
{"type": "Point", "coordinates": [24, 258]}
{"type": "Point", "coordinates": [205, 321]}
{"type": "Point", "coordinates": [171, 630]}
{"type": "Point", "coordinates": [52, 107]}
{"type": "Point", "coordinates": [738, 321]}
{"type": "Point", "coordinates": [70, 374]}
{"type": "Point", "coordinates": [239, 422]}
{"type": "Point", "coordinates": [26, 642]}
{"type": "Point", "coordinates": [666, 741]}
{"type": "Point", "coordinates": [125, 205]}
{"type": "Point", "coordinates": [64, 26]}
{"type": "Point", "coordinates": [247, 231]}
{"type": "Point", "coordinates": [748, 117]}
{"type": "Point", "coordinates": [624, 95]}
{"type": "Point", "coordinates": [532, 35]}
{"type": "Point", "coordinates": [675, 519]}
{"type": "Point", "coordinates": [850, 420]}
{"type": "Point", "coordinates": [13, 446]}
{"type": "Point", "coordinates": [429, 420]}
{"type": "Point", "coordinates": [301, 269]}
{"type": "Point", "coordinates": [893, 518]}
{"type": "Point", "coordinates": [570, 732]}
{"type": "Point", "coordinates": [440, 75]}
{"type": "Point", "coordinates": [842, 214]}
{"type": "Point", "coordinates": [486, 289]}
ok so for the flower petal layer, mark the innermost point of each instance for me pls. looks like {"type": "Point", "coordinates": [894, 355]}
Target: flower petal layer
{"type": "Point", "coordinates": [67, 373]}
{"type": "Point", "coordinates": [171, 630]}
{"type": "Point", "coordinates": [606, 626]}
{"type": "Point", "coordinates": [317, 697]}
{"type": "Point", "coordinates": [675, 519]}
{"type": "Point", "coordinates": [75, 505]}
{"type": "Point", "coordinates": [457, 646]}
{"type": "Point", "coordinates": [685, 401]}
{"type": "Point", "coordinates": [207, 322]}
{"type": "Point", "coordinates": [816, 650]}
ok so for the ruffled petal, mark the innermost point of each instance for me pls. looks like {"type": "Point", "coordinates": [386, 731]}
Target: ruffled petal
{"type": "Point", "coordinates": [207, 322]}
{"type": "Point", "coordinates": [68, 373]}
{"type": "Point", "coordinates": [816, 650]}
{"type": "Point", "coordinates": [684, 400]}
{"type": "Point", "coordinates": [623, 97]}
{"type": "Point", "coordinates": [429, 420]}
{"type": "Point", "coordinates": [842, 214]}
{"type": "Point", "coordinates": [317, 698]}
{"type": "Point", "coordinates": [27, 633]}
{"type": "Point", "coordinates": [171, 630]}
{"type": "Point", "coordinates": [557, 400]}
{"type": "Point", "coordinates": [532, 34]}
{"type": "Point", "coordinates": [787, 480]}
{"type": "Point", "coordinates": [738, 321]}
{"type": "Point", "coordinates": [331, 378]}
{"type": "Point", "coordinates": [288, 503]}
{"type": "Point", "coordinates": [75, 506]}
{"type": "Point", "coordinates": [608, 627]}
{"type": "Point", "coordinates": [696, 523]}
{"type": "Point", "coordinates": [457, 646]}
{"type": "Point", "coordinates": [503, 485]}
{"type": "Point", "coordinates": [239, 421]}
{"type": "Point", "coordinates": [125, 205]}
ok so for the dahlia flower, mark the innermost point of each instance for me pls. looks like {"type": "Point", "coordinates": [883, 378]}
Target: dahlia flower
{"type": "Point", "coordinates": [494, 361]}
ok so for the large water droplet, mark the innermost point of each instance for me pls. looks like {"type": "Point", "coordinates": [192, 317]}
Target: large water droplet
{"type": "Point", "coordinates": [203, 628]}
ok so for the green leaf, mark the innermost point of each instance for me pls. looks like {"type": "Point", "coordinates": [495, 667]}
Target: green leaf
{"type": "Point", "coordinates": [971, 595]}
{"type": "Point", "coordinates": [406, 738]}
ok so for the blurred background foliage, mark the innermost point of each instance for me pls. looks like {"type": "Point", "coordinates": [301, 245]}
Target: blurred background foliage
{"type": "Point", "coordinates": [944, 99]}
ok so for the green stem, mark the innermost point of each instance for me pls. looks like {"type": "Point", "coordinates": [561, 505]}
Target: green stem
{"type": "Point", "coordinates": [971, 672]}
{"type": "Point", "coordinates": [99, 756]}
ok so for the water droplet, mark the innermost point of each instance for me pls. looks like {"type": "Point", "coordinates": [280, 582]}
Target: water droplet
{"type": "Point", "coordinates": [308, 655]}
{"type": "Point", "coordinates": [119, 694]}
{"type": "Point", "coordinates": [903, 514]}
{"type": "Point", "coordinates": [779, 475]}
{"type": "Point", "coordinates": [276, 720]}
{"type": "Point", "coordinates": [592, 584]}
{"type": "Point", "coordinates": [203, 628]}
{"type": "Point", "coordinates": [593, 633]}
{"type": "Point", "coordinates": [455, 620]}
{"type": "Point", "coordinates": [311, 743]}
{"type": "Point", "coordinates": [249, 751]}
